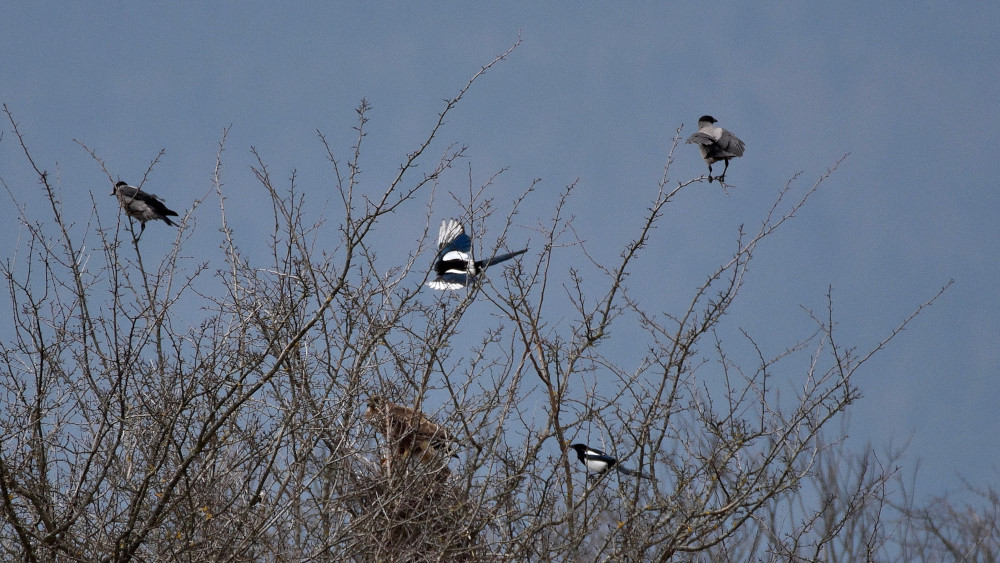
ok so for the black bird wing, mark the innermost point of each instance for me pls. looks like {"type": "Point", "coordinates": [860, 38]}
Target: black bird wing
{"type": "Point", "coordinates": [454, 265]}
{"type": "Point", "coordinates": [452, 237]}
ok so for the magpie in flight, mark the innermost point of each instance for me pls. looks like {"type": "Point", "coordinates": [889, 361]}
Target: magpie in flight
{"type": "Point", "coordinates": [142, 206]}
{"type": "Point", "coordinates": [454, 265]}
{"type": "Point", "coordinates": [716, 144]}
{"type": "Point", "coordinates": [599, 463]}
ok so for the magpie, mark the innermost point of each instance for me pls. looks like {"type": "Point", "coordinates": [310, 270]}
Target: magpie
{"type": "Point", "coordinates": [599, 462]}
{"type": "Point", "coordinates": [716, 144]}
{"type": "Point", "coordinates": [407, 430]}
{"type": "Point", "coordinates": [454, 265]}
{"type": "Point", "coordinates": [141, 205]}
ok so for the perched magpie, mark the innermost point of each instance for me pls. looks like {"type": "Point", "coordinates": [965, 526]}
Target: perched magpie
{"type": "Point", "coordinates": [454, 266]}
{"type": "Point", "coordinates": [716, 144]}
{"type": "Point", "coordinates": [407, 430]}
{"type": "Point", "coordinates": [599, 462]}
{"type": "Point", "coordinates": [142, 206]}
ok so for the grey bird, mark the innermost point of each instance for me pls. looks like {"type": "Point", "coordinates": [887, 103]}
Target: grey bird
{"type": "Point", "coordinates": [716, 144]}
{"type": "Point", "coordinates": [141, 205]}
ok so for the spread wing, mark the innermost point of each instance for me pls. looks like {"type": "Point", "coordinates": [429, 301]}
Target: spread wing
{"type": "Point", "coordinates": [731, 144]}
{"type": "Point", "coordinates": [452, 237]}
{"type": "Point", "coordinates": [454, 264]}
{"type": "Point", "coordinates": [451, 281]}
{"type": "Point", "coordinates": [701, 138]}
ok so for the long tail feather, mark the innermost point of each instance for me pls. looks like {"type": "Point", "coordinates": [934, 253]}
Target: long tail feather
{"type": "Point", "coordinates": [634, 473]}
{"type": "Point", "coordinates": [499, 258]}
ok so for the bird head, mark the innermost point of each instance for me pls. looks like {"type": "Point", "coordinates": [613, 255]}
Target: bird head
{"type": "Point", "coordinates": [706, 119]}
{"type": "Point", "coordinates": [375, 402]}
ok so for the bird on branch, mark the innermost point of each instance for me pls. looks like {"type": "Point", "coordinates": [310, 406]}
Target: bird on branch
{"type": "Point", "coordinates": [408, 432]}
{"type": "Point", "coordinates": [141, 205]}
{"type": "Point", "coordinates": [716, 144]}
{"type": "Point", "coordinates": [598, 462]}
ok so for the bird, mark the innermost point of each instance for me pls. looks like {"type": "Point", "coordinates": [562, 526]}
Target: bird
{"type": "Point", "coordinates": [716, 144]}
{"type": "Point", "coordinates": [141, 205]}
{"type": "Point", "coordinates": [409, 431]}
{"type": "Point", "coordinates": [599, 463]}
{"type": "Point", "coordinates": [454, 264]}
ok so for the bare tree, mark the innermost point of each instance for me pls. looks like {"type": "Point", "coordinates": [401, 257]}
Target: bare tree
{"type": "Point", "coordinates": [946, 528]}
{"type": "Point", "coordinates": [136, 431]}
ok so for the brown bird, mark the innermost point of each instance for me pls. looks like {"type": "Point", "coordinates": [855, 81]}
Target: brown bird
{"type": "Point", "coordinates": [408, 431]}
{"type": "Point", "coordinates": [141, 205]}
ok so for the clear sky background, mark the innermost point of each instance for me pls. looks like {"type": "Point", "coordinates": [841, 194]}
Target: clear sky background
{"type": "Point", "coordinates": [595, 92]}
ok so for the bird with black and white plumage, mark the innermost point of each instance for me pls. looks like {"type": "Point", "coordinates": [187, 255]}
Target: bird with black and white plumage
{"type": "Point", "coordinates": [716, 144]}
{"type": "Point", "coordinates": [142, 206]}
{"type": "Point", "coordinates": [454, 264]}
{"type": "Point", "coordinates": [599, 463]}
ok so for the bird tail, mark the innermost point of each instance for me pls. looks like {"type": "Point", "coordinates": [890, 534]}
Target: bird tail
{"type": "Point", "coordinates": [499, 258]}
{"type": "Point", "coordinates": [634, 473]}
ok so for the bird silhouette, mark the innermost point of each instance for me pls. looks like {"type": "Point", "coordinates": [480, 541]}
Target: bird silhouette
{"type": "Point", "coordinates": [141, 205]}
{"type": "Point", "coordinates": [716, 144]}
{"type": "Point", "coordinates": [454, 265]}
{"type": "Point", "coordinates": [599, 463]}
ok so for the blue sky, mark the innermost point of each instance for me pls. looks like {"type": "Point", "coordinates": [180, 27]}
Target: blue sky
{"type": "Point", "coordinates": [595, 92]}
